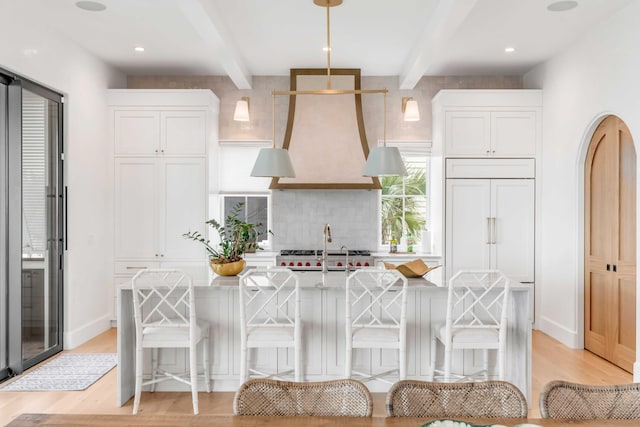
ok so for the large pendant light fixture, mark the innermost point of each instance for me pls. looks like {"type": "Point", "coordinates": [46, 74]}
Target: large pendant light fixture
{"type": "Point", "coordinates": [273, 162]}
{"type": "Point", "coordinates": [381, 161]}
{"type": "Point", "coordinates": [384, 161]}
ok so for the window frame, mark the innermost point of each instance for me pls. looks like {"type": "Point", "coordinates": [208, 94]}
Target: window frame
{"type": "Point", "coordinates": [416, 147]}
{"type": "Point", "coordinates": [265, 244]}
{"type": "Point", "coordinates": [218, 197]}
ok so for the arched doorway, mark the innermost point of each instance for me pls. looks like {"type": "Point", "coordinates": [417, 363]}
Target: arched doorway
{"type": "Point", "coordinates": [610, 244]}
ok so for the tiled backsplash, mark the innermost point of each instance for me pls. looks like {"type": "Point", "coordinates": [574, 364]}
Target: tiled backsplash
{"type": "Point", "coordinates": [299, 217]}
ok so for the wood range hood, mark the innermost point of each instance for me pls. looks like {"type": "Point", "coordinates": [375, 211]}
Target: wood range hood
{"type": "Point", "coordinates": [325, 134]}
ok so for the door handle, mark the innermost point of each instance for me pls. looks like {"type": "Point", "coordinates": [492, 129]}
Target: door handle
{"type": "Point", "coordinates": [494, 232]}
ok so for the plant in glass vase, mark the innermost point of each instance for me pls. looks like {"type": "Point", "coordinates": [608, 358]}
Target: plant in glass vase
{"type": "Point", "coordinates": [237, 237]}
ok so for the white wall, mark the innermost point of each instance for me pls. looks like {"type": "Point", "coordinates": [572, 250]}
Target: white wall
{"type": "Point", "coordinates": [66, 68]}
{"type": "Point", "coordinates": [595, 77]}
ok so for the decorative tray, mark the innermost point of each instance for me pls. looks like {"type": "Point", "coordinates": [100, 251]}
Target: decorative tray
{"type": "Point", "coordinates": [411, 269]}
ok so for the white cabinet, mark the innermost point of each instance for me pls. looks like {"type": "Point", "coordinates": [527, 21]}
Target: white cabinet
{"type": "Point", "coordinates": [487, 123]}
{"type": "Point", "coordinates": [490, 134]}
{"type": "Point", "coordinates": [490, 224]}
{"type": "Point", "coordinates": [141, 132]}
{"type": "Point", "coordinates": [156, 201]}
{"type": "Point", "coordinates": [162, 141]}
{"type": "Point", "coordinates": [486, 150]}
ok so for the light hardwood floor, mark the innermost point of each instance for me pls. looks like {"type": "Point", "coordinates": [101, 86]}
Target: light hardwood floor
{"type": "Point", "coordinates": [551, 360]}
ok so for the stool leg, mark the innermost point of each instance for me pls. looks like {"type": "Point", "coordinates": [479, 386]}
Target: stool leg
{"type": "Point", "coordinates": [434, 344]}
{"type": "Point", "coordinates": [447, 362]}
{"type": "Point", "coordinates": [138, 386]}
{"type": "Point", "coordinates": [154, 368]}
{"type": "Point", "coordinates": [193, 370]}
{"type": "Point", "coordinates": [348, 358]}
{"type": "Point", "coordinates": [402, 356]}
{"type": "Point", "coordinates": [244, 372]}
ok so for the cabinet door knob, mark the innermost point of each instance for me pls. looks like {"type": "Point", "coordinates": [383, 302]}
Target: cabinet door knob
{"type": "Point", "coordinates": [157, 255]}
{"type": "Point", "coordinates": [615, 268]}
{"type": "Point", "coordinates": [161, 255]}
{"type": "Point", "coordinates": [162, 151]}
{"type": "Point", "coordinates": [608, 267]}
{"type": "Point", "coordinates": [156, 150]}
{"type": "Point", "coordinates": [487, 152]}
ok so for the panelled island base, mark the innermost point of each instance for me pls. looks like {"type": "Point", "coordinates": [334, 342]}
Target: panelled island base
{"type": "Point", "coordinates": [322, 299]}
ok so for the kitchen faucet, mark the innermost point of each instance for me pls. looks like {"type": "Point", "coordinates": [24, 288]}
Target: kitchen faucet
{"type": "Point", "coordinates": [326, 237]}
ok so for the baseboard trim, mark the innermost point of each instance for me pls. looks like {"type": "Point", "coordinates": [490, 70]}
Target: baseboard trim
{"type": "Point", "coordinates": [78, 336]}
{"type": "Point", "coordinates": [559, 332]}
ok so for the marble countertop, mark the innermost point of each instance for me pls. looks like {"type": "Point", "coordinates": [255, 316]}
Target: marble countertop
{"type": "Point", "coordinates": [203, 277]}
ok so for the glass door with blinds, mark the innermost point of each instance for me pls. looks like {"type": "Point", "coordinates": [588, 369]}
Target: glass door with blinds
{"type": "Point", "coordinates": [4, 348]}
{"type": "Point", "coordinates": [41, 233]}
{"type": "Point", "coordinates": [32, 226]}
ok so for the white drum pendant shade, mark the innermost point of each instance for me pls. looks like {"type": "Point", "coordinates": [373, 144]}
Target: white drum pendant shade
{"type": "Point", "coordinates": [273, 162]}
{"type": "Point", "coordinates": [384, 161]}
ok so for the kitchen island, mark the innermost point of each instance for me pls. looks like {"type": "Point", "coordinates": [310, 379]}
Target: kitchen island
{"type": "Point", "coordinates": [322, 299]}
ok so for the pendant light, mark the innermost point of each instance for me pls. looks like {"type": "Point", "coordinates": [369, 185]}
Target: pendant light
{"type": "Point", "coordinates": [384, 161]}
{"type": "Point", "coordinates": [381, 161]}
{"type": "Point", "coordinates": [273, 162]}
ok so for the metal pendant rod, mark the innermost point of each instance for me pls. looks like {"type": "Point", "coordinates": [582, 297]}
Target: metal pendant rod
{"type": "Point", "coordinates": [328, 46]}
{"type": "Point", "coordinates": [273, 118]}
{"type": "Point", "coordinates": [384, 121]}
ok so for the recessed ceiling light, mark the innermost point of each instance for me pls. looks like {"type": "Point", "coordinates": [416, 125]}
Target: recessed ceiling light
{"type": "Point", "coordinates": [91, 6]}
{"type": "Point", "coordinates": [562, 6]}
{"type": "Point", "coordinates": [30, 52]}
{"type": "Point", "coordinates": [139, 49]}
{"type": "Point", "coordinates": [509, 49]}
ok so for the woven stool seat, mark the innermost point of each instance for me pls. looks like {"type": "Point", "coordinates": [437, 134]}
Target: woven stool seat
{"type": "Point", "coordinates": [488, 399]}
{"type": "Point", "coordinates": [565, 400]}
{"type": "Point", "coordinates": [339, 398]}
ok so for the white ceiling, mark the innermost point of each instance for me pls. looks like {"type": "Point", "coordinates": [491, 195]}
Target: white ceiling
{"type": "Point", "coordinates": [243, 38]}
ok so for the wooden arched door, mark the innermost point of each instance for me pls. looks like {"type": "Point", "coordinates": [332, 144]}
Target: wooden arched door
{"type": "Point", "coordinates": [610, 244]}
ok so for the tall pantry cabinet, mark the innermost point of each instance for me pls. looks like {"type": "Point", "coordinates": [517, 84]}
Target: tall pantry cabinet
{"type": "Point", "coordinates": [163, 143]}
{"type": "Point", "coordinates": [486, 147]}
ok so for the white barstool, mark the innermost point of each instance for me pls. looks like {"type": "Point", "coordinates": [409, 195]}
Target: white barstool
{"type": "Point", "coordinates": [376, 306]}
{"type": "Point", "coordinates": [165, 317]}
{"type": "Point", "coordinates": [476, 319]}
{"type": "Point", "coordinates": [269, 318]}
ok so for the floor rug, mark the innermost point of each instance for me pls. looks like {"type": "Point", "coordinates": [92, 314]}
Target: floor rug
{"type": "Point", "coordinates": [69, 371]}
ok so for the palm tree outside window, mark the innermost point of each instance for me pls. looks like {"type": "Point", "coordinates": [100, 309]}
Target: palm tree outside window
{"type": "Point", "coordinates": [405, 200]}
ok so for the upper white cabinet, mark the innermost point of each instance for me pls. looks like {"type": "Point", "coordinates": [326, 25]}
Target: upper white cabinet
{"type": "Point", "coordinates": [139, 132]}
{"type": "Point", "coordinates": [489, 123]}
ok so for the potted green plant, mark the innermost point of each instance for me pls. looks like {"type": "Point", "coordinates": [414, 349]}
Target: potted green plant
{"type": "Point", "coordinates": [237, 237]}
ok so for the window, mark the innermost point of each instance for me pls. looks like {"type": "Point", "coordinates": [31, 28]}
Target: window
{"type": "Point", "coordinates": [404, 202]}
{"type": "Point", "coordinates": [236, 159]}
{"type": "Point", "coordinates": [255, 210]}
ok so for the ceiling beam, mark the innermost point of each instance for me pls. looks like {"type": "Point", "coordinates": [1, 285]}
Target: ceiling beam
{"type": "Point", "coordinates": [441, 25]}
{"type": "Point", "coordinates": [206, 21]}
